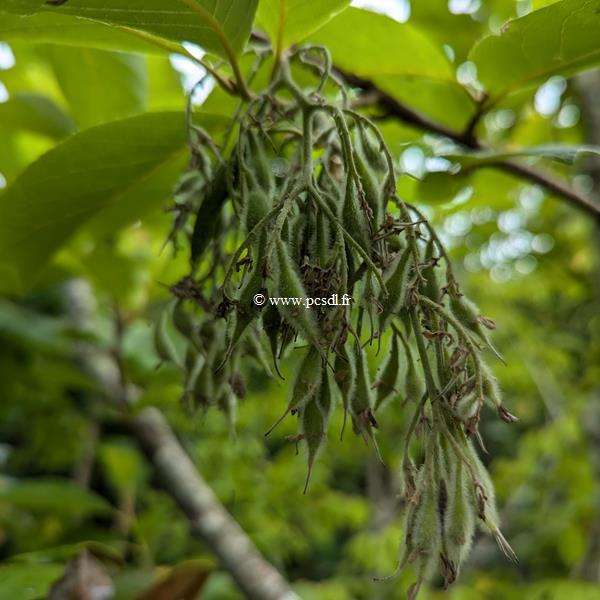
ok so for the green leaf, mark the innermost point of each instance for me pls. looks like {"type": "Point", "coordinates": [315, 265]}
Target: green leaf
{"type": "Point", "coordinates": [404, 62]}
{"type": "Point", "coordinates": [31, 328]}
{"type": "Point", "coordinates": [441, 186]}
{"type": "Point", "coordinates": [559, 39]}
{"type": "Point", "coordinates": [372, 45]}
{"type": "Point", "coordinates": [27, 582]}
{"type": "Point", "coordinates": [49, 27]}
{"type": "Point", "coordinates": [290, 21]}
{"type": "Point", "coordinates": [35, 113]}
{"type": "Point", "coordinates": [220, 26]}
{"type": "Point", "coordinates": [52, 495]}
{"type": "Point", "coordinates": [123, 168]}
{"type": "Point", "coordinates": [100, 86]}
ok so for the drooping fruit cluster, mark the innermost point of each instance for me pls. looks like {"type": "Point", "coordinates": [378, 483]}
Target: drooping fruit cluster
{"type": "Point", "coordinates": [303, 205]}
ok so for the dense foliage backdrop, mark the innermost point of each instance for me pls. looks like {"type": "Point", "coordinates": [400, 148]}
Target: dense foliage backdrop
{"type": "Point", "coordinates": [92, 143]}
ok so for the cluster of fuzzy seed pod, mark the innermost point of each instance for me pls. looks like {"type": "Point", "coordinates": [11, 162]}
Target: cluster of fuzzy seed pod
{"type": "Point", "coordinates": [303, 205]}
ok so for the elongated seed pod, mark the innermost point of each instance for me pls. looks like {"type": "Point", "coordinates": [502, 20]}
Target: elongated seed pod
{"type": "Point", "coordinates": [467, 407]}
{"type": "Point", "coordinates": [388, 383]}
{"type": "Point", "coordinates": [486, 507]}
{"type": "Point", "coordinates": [272, 325]}
{"type": "Point", "coordinates": [345, 376]}
{"type": "Point", "coordinates": [227, 403]}
{"type": "Point", "coordinates": [361, 403]}
{"type": "Point", "coordinates": [354, 218]}
{"type": "Point", "coordinates": [204, 388]}
{"type": "Point", "coordinates": [192, 374]}
{"type": "Point", "coordinates": [306, 383]}
{"type": "Point", "coordinates": [314, 419]}
{"type": "Point", "coordinates": [467, 313]}
{"type": "Point", "coordinates": [289, 285]}
{"type": "Point", "coordinates": [414, 386]}
{"type": "Point", "coordinates": [372, 151]}
{"type": "Point", "coordinates": [257, 205]}
{"type": "Point", "coordinates": [259, 162]}
{"type": "Point", "coordinates": [362, 399]}
{"type": "Point", "coordinates": [247, 311]}
{"type": "Point", "coordinates": [372, 190]}
{"type": "Point", "coordinates": [396, 283]}
{"type": "Point", "coordinates": [459, 526]}
{"type": "Point", "coordinates": [323, 235]}
{"type": "Point", "coordinates": [162, 342]}
{"type": "Point", "coordinates": [430, 287]}
{"type": "Point", "coordinates": [493, 395]}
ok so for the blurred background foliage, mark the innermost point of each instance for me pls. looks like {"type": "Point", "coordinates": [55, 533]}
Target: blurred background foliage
{"type": "Point", "coordinates": [73, 478]}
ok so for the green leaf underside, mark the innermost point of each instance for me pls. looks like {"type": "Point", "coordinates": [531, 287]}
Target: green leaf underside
{"type": "Point", "coordinates": [123, 167]}
{"type": "Point", "coordinates": [46, 27]}
{"type": "Point", "coordinates": [28, 582]}
{"type": "Point", "coordinates": [559, 39]}
{"type": "Point", "coordinates": [300, 18]}
{"type": "Point", "coordinates": [86, 75]}
{"type": "Point", "coordinates": [214, 22]}
{"type": "Point", "coordinates": [405, 63]}
{"type": "Point", "coordinates": [35, 113]}
{"type": "Point", "coordinates": [400, 49]}
{"type": "Point", "coordinates": [53, 495]}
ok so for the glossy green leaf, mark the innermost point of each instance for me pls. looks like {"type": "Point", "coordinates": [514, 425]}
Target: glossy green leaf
{"type": "Point", "coordinates": [292, 20]}
{"type": "Point", "coordinates": [216, 25]}
{"type": "Point", "coordinates": [370, 45]}
{"type": "Point", "coordinates": [52, 495]}
{"type": "Point", "coordinates": [124, 168]}
{"type": "Point", "coordinates": [404, 62]}
{"type": "Point", "coordinates": [35, 113]}
{"type": "Point", "coordinates": [559, 39]}
{"type": "Point", "coordinates": [49, 27]}
{"type": "Point", "coordinates": [87, 75]}
{"type": "Point", "coordinates": [27, 582]}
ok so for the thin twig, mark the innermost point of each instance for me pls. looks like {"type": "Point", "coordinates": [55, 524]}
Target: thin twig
{"type": "Point", "coordinates": [392, 107]}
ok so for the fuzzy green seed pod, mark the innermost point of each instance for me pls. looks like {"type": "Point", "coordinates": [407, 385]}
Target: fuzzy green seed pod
{"type": "Point", "coordinates": [371, 189]}
{"type": "Point", "coordinates": [345, 376]}
{"type": "Point", "coordinates": [271, 322]}
{"type": "Point", "coordinates": [361, 403]}
{"type": "Point", "coordinates": [485, 499]}
{"type": "Point", "coordinates": [184, 323]}
{"type": "Point", "coordinates": [387, 384]}
{"type": "Point", "coordinates": [259, 162]}
{"type": "Point", "coordinates": [254, 348]}
{"type": "Point", "coordinates": [467, 313]}
{"type": "Point", "coordinates": [493, 395]}
{"type": "Point", "coordinates": [256, 206]}
{"type": "Point", "coordinates": [414, 386]}
{"type": "Point", "coordinates": [204, 388]}
{"type": "Point", "coordinates": [395, 279]}
{"type": "Point", "coordinates": [227, 403]}
{"type": "Point", "coordinates": [354, 218]}
{"type": "Point", "coordinates": [194, 364]}
{"type": "Point", "coordinates": [430, 287]}
{"type": "Point", "coordinates": [289, 285]}
{"type": "Point", "coordinates": [427, 534]}
{"type": "Point", "coordinates": [467, 407]}
{"type": "Point", "coordinates": [246, 312]}
{"type": "Point", "coordinates": [323, 238]}
{"type": "Point", "coordinates": [362, 399]}
{"type": "Point", "coordinates": [314, 419]}
{"type": "Point", "coordinates": [459, 526]}
{"type": "Point", "coordinates": [162, 342]}
{"type": "Point", "coordinates": [372, 151]}
{"type": "Point", "coordinates": [306, 383]}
